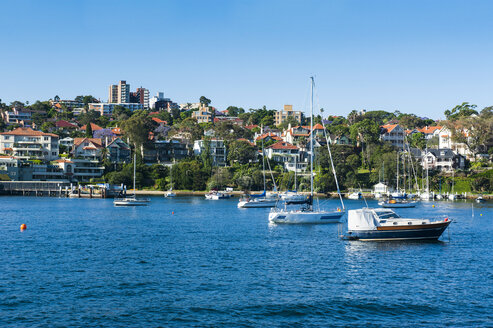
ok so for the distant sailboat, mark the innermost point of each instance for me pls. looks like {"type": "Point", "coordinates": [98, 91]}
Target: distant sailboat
{"type": "Point", "coordinates": [170, 193]}
{"type": "Point", "coordinates": [262, 200]}
{"type": "Point", "coordinates": [306, 213]}
{"type": "Point", "coordinates": [132, 200]}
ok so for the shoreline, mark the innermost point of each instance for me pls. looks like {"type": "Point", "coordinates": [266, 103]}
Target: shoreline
{"type": "Point", "coordinates": [241, 193]}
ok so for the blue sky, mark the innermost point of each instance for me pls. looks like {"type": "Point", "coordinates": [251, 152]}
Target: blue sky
{"type": "Point", "coordinates": [420, 57]}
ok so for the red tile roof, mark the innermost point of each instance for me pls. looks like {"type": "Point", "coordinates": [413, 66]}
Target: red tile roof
{"type": "Point", "coordinates": [158, 120]}
{"type": "Point", "coordinates": [283, 145]}
{"type": "Point", "coordinates": [94, 127]}
{"type": "Point", "coordinates": [65, 124]}
{"type": "Point", "coordinates": [246, 140]}
{"type": "Point", "coordinates": [96, 141]}
{"type": "Point", "coordinates": [117, 130]}
{"type": "Point", "coordinates": [429, 129]}
{"type": "Point", "coordinates": [389, 127]}
{"type": "Point", "coordinates": [22, 131]}
{"type": "Point", "coordinates": [271, 135]}
{"type": "Point", "coordinates": [252, 126]}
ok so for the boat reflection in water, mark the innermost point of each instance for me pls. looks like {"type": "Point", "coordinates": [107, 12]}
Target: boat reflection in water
{"type": "Point", "coordinates": [384, 224]}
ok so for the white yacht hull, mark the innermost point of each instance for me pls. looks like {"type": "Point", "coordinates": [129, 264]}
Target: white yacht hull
{"type": "Point", "coordinates": [169, 194]}
{"type": "Point", "coordinates": [130, 202]}
{"type": "Point", "coordinates": [266, 203]}
{"type": "Point", "coordinates": [305, 217]}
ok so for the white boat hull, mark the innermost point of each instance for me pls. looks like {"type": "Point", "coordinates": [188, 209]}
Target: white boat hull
{"type": "Point", "coordinates": [257, 204]}
{"type": "Point", "coordinates": [130, 202]}
{"type": "Point", "coordinates": [307, 217]}
{"type": "Point", "coordinates": [169, 194]}
{"type": "Point", "coordinates": [397, 204]}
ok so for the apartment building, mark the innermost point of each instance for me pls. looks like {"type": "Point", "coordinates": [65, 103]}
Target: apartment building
{"type": "Point", "coordinates": [282, 115]}
{"type": "Point", "coordinates": [119, 93]}
{"type": "Point", "coordinates": [106, 109]}
{"type": "Point", "coordinates": [217, 150]}
{"type": "Point", "coordinates": [204, 114]}
{"type": "Point", "coordinates": [140, 96]}
{"type": "Point", "coordinates": [26, 143]}
{"type": "Point", "coordinates": [16, 116]}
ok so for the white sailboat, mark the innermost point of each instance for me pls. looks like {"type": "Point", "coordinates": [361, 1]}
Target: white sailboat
{"type": "Point", "coordinates": [306, 213]}
{"type": "Point", "coordinates": [262, 200]}
{"type": "Point", "coordinates": [132, 200]}
{"type": "Point", "coordinates": [452, 196]}
{"type": "Point", "coordinates": [170, 193]}
{"type": "Point", "coordinates": [426, 194]}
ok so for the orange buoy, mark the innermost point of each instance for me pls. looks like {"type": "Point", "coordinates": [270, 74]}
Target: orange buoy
{"type": "Point", "coordinates": [173, 212]}
{"type": "Point", "coordinates": [432, 205]}
{"type": "Point", "coordinates": [23, 227]}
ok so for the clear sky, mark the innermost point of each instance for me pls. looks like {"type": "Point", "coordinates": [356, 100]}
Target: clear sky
{"type": "Point", "coordinates": [421, 57]}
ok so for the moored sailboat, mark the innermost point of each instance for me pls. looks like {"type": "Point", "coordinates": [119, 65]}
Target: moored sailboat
{"type": "Point", "coordinates": [306, 213]}
{"type": "Point", "coordinates": [132, 200]}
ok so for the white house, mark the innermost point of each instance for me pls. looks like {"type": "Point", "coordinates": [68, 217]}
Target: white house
{"type": "Point", "coordinates": [87, 148]}
{"type": "Point", "coordinates": [26, 143]}
{"type": "Point", "coordinates": [394, 134]}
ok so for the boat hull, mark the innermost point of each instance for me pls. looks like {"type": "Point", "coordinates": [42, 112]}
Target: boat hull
{"type": "Point", "coordinates": [430, 232]}
{"type": "Point", "coordinates": [257, 204]}
{"type": "Point", "coordinates": [133, 203]}
{"type": "Point", "coordinates": [397, 205]}
{"type": "Point", "coordinates": [299, 217]}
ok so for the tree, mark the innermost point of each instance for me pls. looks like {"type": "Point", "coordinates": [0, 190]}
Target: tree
{"type": "Point", "coordinates": [235, 111]}
{"type": "Point", "coordinates": [90, 116]}
{"type": "Point", "coordinates": [205, 101]}
{"type": "Point", "coordinates": [473, 131]}
{"type": "Point", "coordinates": [417, 140]}
{"type": "Point", "coordinates": [241, 151]}
{"type": "Point", "coordinates": [137, 128]}
{"type": "Point", "coordinates": [47, 126]}
{"type": "Point", "coordinates": [89, 130]}
{"type": "Point", "coordinates": [367, 131]}
{"type": "Point", "coordinates": [463, 110]}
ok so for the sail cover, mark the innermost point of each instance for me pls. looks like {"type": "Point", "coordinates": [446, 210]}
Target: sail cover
{"type": "Point", "coordinates": [257, 196]}
{"type": "Point", "coordinates": [361, 219]}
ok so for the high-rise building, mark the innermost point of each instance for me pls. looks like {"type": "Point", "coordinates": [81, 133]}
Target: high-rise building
{"type": "Point", "coordinates": [119, 93]}
{"type": "Point", "coordinates": [140, 96]}
{"type": "Point", "coordinates": [281, 116]}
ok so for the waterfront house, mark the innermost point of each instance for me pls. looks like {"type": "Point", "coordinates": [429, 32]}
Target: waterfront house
{"type": "Point", "coordinates": [394, 134]}
{"type": "Point", "coordinates": [285, 153]}
{"type": "Point", "coordinates": [87, 148]}
{"type": "Point", "coordinates": [118, 151]}
{"type": "Point", "coordinates": [26, 143]}
{"type": "Point", "coordinates": [165, 151]}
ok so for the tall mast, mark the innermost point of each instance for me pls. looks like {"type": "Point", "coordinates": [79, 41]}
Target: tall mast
{"type": "Point", "coordinates": [295, 173]}
{"type": "Point", "coordinates": [397, 171]}
{"type": "Point", "coordinates": [135, 156]}
{"type": "Point", "coordinates": [311, 139]}
{"type": "Point", "coordinates": [263, 162]}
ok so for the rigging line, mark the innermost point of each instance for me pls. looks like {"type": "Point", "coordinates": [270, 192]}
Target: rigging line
{"type": "Point", "coordinates": [332, 164]}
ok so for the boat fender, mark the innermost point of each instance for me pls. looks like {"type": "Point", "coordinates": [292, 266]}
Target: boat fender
{"type": "Point", "coordinates": [446, 219]}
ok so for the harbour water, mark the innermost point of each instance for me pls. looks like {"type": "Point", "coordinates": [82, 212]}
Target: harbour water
{"type": "Point", "coordinates": [83, 262]}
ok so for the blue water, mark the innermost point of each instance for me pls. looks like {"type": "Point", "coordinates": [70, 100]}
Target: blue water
{"type": "Point", "coordinates": [83, 262]}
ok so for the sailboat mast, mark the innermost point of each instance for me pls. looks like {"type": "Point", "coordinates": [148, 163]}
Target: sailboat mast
{"type": "Point", "coordinates": [311, 139]}
{"type": "Point", "coordinates": [263, 162]}
{"type": "Point", "coordinates": [397, 171]}
{"type": "Point", "coordinates": [295, 173]}
{"type": "Point", "coordinates": [135, 156]}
